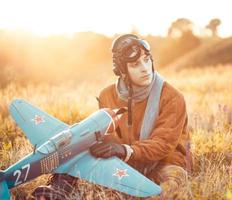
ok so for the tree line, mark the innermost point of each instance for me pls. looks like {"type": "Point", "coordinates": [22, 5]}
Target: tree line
{"type": "Point", "coordinates": [24, 56]}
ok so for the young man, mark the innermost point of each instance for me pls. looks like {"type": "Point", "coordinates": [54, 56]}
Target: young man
{"type": "Point", "coordinates": [152, 136]}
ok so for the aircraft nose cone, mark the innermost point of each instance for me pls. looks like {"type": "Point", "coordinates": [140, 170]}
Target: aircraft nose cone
{"type": "Point", "coordinates": [116, 115]}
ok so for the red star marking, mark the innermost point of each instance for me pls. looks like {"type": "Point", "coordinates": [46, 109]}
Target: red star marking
{"type": "Point", "coordinates": [38, 119]}
{"type": "Point", "coordinates": [120, 173]}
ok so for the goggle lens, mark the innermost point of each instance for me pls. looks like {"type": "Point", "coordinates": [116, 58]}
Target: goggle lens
{"type": "Point", "coordinates": [132, 52]}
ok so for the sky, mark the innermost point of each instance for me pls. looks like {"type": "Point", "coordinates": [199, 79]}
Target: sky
{"type": "Point", "coordinates": [46, 17]}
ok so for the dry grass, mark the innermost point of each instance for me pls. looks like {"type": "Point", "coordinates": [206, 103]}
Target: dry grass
{"type": "Point", "coordinates": [208, 94]}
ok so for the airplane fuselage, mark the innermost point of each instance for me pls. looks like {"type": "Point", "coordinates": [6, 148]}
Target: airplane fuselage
{"type": "Point", "coordinates": [58, 150]}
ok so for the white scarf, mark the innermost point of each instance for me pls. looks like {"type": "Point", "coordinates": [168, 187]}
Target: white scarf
{"type": "Point", "coordinates": [139, 92]}
{"type": "Point", "coordinates": [153, 92]}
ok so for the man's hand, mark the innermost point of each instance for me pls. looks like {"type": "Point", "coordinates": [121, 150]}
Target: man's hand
{"type": "Point", "coordinates": [106, 150]}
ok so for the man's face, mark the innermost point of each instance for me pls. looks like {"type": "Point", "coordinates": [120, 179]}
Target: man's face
{"type": "Point", "coordinates": [140, 71]}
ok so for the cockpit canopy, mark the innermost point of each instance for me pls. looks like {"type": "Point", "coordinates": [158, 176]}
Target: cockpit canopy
{"type": "Point", "coordinates": [58, 141]}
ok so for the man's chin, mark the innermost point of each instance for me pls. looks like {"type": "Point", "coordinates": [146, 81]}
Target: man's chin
{"type": "Point", "coordinates": [147, 82]}
{"type": "Point", "coordinates": [144, 83]}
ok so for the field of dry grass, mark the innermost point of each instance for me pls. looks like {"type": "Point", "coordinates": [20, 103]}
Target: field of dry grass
{"type": "Point", "coordinates": [208, 94]}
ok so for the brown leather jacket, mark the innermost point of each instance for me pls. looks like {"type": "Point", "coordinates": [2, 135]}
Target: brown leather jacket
{"type": "Point", "coordinates": [168, 140]}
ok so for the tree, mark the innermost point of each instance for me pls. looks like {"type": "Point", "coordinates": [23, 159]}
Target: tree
{"type": "Point", "coordinates": [213, 26]}
{"type": "Point", "coordinates": [179, 27]}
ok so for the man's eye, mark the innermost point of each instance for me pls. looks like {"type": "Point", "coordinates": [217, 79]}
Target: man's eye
{"type": "Point", "coordinates": [135, 64]}
{"type": "Point", "coordinates": [146, 59]}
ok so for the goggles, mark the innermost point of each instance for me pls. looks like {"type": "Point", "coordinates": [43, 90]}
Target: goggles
{"type": "Point", "coordinates": [130, 49]}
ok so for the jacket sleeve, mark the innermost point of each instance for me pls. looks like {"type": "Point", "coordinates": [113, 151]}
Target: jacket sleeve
{"type": "Point", "coordinates": [166, 133]}
{"type": "Point", "coordinates": [100, 102]}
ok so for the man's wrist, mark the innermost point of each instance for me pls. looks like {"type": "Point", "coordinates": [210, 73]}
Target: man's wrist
{"type": "Point", "coordinates": [129, 152]}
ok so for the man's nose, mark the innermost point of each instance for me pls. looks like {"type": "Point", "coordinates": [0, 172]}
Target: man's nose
{"type": "Point", "coordinates": [144, 66]}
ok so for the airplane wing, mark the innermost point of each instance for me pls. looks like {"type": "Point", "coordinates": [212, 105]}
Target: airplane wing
{"type": "Point", "coordinates": [36, 124]}
{"type": "Point", "coordinates": [112, 173]}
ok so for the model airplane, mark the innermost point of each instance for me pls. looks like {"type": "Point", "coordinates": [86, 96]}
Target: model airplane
{"type": "Point", "coordinates": [60, 148]}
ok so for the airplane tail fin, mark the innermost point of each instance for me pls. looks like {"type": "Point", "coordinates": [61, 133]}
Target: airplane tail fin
{"type": "Point", "coordinates": [4, 191]}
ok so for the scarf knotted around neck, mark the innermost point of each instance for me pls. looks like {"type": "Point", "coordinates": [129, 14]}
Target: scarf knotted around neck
{"type": "Point", "coordinates": [139, 92]}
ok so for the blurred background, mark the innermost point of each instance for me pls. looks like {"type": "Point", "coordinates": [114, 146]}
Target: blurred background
{"type": "Point", "coordinates": [56, 54]}
{"type": "Point", "coordinates": [56, 41]}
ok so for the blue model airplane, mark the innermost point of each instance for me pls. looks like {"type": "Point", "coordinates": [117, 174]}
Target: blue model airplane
{"type": "Point", "coordinates": [60, 148]}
